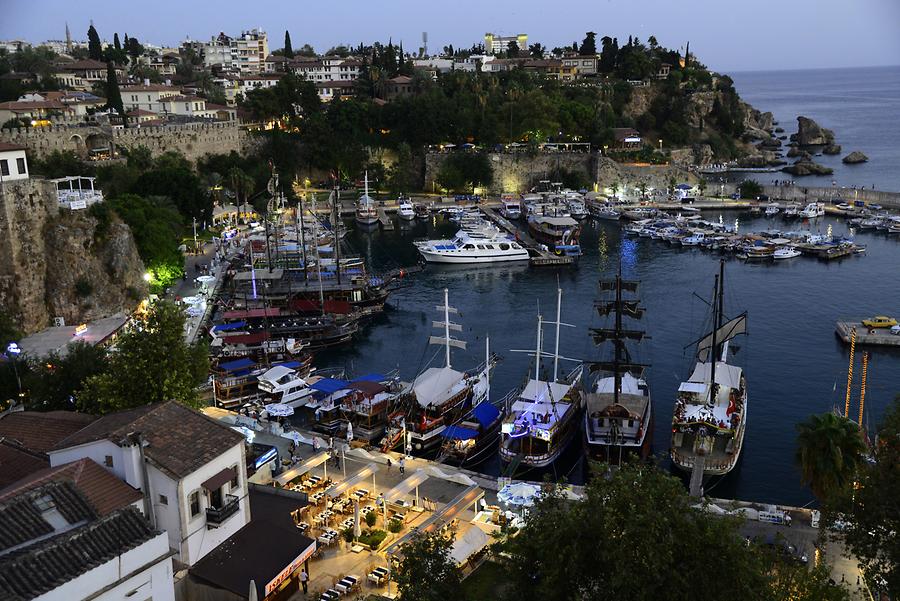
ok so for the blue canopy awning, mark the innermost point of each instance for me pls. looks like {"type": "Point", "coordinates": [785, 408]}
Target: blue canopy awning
{"type": "Point", "coordinates": [236, 365]}
{"type": "Point", "coordinates": [287, 364]}
{"type": "Point", "coordinates": [486, 414]}
{"type": "Point", "coordinates": [684, 186]}
{"type": "Point", "coordinates": [371, 378]}
{"type": "Point", "coordinates": [224, 327]}
{"type": "Point", "coordinates": [459, 433]}
{"type": "Point", "coordinates": [329, 385]}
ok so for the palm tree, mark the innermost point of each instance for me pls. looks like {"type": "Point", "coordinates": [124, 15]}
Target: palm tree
{"type": "Point", "coordinates": [241, 185]}
{"type": "Point", "coordinates": [701, 185]}
{"type": "Point", "coordinates": [830, 451]}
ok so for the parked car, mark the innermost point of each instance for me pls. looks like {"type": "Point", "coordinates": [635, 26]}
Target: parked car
{"type": "Point", "coordinates": [895, 330]}
{"type": "Point", "coordinates": [880, 321]}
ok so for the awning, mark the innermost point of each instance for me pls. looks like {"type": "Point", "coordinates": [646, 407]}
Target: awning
{"type": "Point", "coordinates": [224, 327]}
{"type": "Point", "coordinates": [329, 385]}
{"type": "Point", "coordinates": [306, 466]}
{"type": "Point", "coordinates": [358, 478]}
{"type": "Point", "coordinates": [236, 365]}
{"type": "Point", "coordinates": [371, 378]}
{"type": "Point", "coordinates": [216, 482]}
{"type": "Point", "coordinates": [239, 314]}
{"type": "Point", "coordinates": [486, 414]}
{"type": "Point", "coordinates": [406, 487]}
{"type": "Point", "coordinates": [254, 338]}
{"type": "Point", "coordinates": [459, 433]}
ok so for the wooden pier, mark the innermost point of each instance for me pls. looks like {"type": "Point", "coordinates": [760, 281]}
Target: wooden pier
{"type": "Point", "coordinates": [385, 220]}
{"type": "Point", "coordinates": [696, 485]}
{"type": "Point", "coordinates": [866, 336]}
{"type": "Point", "coordinates": [827, 252]}
{"type": "Point", "coordinates": [539, 256]}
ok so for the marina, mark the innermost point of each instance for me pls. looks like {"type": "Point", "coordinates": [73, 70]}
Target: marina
{"type": "Point", "coordinates": [886, 337]}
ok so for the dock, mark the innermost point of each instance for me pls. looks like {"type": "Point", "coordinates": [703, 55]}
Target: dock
{"type": "Point", "coordinates": [385, 220]}
{"type": "Point", "coordinates": [866, 336]}
{"type": "Point", "coordinates": [826, 252]}
{"type": "Point", "coordinates": [696, 486]}
{"type": "Point", "coordinates": [539, 256]}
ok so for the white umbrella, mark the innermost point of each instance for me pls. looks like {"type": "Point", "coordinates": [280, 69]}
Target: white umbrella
{"type": "Point", "coordinates": [252, 595]}
{"type": "Point", "coordinates": [192, 300]}
{"type": "Point", "coordinates": [195, 311]}
{"type": "Point", "coordinates": [279, 409]}
{"type": "Point", "coordinates": [357, 529]}
{"type": "Point", "coordinates": [349, 432]}
{"type": "Point", "coordinates": [521, 494]}
{"type": "Point", "coordinates": [206, 279]}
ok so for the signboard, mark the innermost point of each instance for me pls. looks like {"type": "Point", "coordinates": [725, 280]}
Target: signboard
{"type": "Point", "coordinates": [290, 569]}
{"type": "Point", "coordinates": [266, 457]}
{"type": "Point", "coordinates": [77, 204]}
{"type": "Point", "coordinates": [80, 329]}
{"type": "Point", "coordinates": [772, 517]}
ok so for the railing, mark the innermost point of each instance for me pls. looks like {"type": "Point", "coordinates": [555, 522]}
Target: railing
{"type": "Point", "coordinates": [215, 516]}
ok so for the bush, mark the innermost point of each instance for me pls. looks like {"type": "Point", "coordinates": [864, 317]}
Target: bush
{"type": "Point", "coordinates": [347, 533]}
{"type": "Point", "coordinates": [750, 189]}
{"type": "Point", "coordinates": [394, 526]}
{"type": "Point", "coordinates": [372, 538]}
{"type": "Point", "coordinates": [83, 287]}
{"type": "Point", "coordinates": [370, 519]}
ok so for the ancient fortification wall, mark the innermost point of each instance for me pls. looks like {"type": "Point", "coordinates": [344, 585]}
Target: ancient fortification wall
{"type": "Point", "coordinates": [193, 140]}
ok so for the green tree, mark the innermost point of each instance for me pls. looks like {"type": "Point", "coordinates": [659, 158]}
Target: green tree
{"type": "Point", "coordinates": [512, 49]}
{"type": "Point", "coordinates": [749, 189]}
{"type": "Point", "coordinates": [60, 163]}
{"type": "Point", "coordinates": [829, 453]}
{"type": "Point", "coordinates": [55, 382]}
{"type": "Point", "coordinates": [701, 185]}
{"type": "Point", "coordinates": [241, 186]}
{"type": "Point", "coordinates": [116, 43]}
{"type": "Point", "coordinates": [288, 49]}
{"type": "Point", "coordinates": [588, 45]}
{"type": "Point", "coordinates": [156, 226]}
{"type": "Point", "coordinates": [874, 513]}
{"type": "Point", "coordinates": [536, 50]}
{"type": "Point", "coordinates": [113, 95]}
{"type": "Point", "coordinates": [95, 49]}
{"type": "Point", "coordinates": [152, 363]}
{"type": "Point", "coordinates": [427, 572]}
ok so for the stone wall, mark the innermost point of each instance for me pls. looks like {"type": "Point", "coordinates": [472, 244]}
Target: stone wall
{"type": "Point", "coordinates": [61, 263]}
{"type": "Point", "coordinates": [193, 140]}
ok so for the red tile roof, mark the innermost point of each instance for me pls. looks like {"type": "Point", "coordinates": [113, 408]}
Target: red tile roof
{"type": "Point", "coordinates": [40, 432]}
{"type": "Point", "coordinates": [140, 113]}
{"type": "Point", "coordinates": [180, 440]}
{"type": "Point", "coordinates": [16, 463]}
{"type": "Point", "coordinates": [105, 492]}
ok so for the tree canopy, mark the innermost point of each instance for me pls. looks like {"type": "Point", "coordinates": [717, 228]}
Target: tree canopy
{"type": "Point", "coordinates": [95, 49]}
{"type": "Point", "coordinates": [427, 572]}
{"type": "Point", "coordinates": [288, 49]}
{"type": "Point", "coordinates": [830, 451]}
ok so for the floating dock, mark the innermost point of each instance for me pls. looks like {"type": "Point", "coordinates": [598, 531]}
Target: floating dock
{"type": "Point", "coordinates": [539, 256]}
{"type": "Point", "coordinates": [866, 336]}
{"type": "Point", "coordinates": [827, 252]}
{"type": "Point", "coordinates": [385, 220]}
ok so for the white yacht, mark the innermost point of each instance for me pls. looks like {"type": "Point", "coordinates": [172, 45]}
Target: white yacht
{"type": "Point", "coordinates": [366, 214]}
{"type": "Point", "coordinates": [511, 209]}
{"type": "Point", "coordinates": [772, 210]}
{"type": "Point", "coordinates": [813, 210]}
{"type": "Point", "coordinates": [405, 210]}
{"type": "Point", "coordinates": [284, 385]}
{"type": "Point", "coordinates": [577, 208]}
{"type": "Point", "coordinates": [467, 247]}
{"type": "Point", "coordinates": [786, 252]}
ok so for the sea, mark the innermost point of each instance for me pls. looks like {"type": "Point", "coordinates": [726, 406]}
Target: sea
{"type": "Point", "coordinates": [794, 363]}
{"type": "Point", "coordinates": [861, 106]}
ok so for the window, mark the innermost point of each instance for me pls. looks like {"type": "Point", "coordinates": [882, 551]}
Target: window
{"type": "Point", "coordinates": [108, 461]}
{"type": "Point", "coordinates": [163, 499]}
{"type": "Point", "coordinates": [236, 481]}
{"type": "Point", "coordinates": [20, 165]}
{"type": "Point", "coordinates": [194, 501]}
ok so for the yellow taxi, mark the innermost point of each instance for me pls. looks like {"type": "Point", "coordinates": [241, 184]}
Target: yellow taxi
{"type": "Point", "coordinates": [880, 321]}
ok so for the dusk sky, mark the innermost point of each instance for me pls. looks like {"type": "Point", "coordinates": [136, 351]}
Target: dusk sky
{"type": "Point", "coordinates": [727, 35]}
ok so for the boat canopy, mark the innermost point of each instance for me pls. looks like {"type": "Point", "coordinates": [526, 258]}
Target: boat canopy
{"type": "Point", "coordinates": [628, 384]}
{"type": "Point", "coordinates": [371, 378]}
{"type": "Point", "coordinates": [538, 390]}
{"type": "Point", "coordinates": [693, 387]}
{"type": "Point", "coordinates": [276, 373]}
{"type": "Point", "coordinates": [558, 221]}
{"type": "Point", "coordinates": [486, 414]}
{"type": "Point", "coordinates": [436, 384]}
{"type": "Point", "coordinates": [224, 327]}
{"type": "Point", "coordinates": [726, 375]}
{"type": "Point", "coordinates": [236, 365]}
{"type": "Point", "coordinates": [459, 433]}
{"type": "Point", "coordinates": [329, 385]}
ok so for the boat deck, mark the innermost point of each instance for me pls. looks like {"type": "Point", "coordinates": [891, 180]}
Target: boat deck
{"type": "Point", "coordinates": [539, 256]}
{"type": "Point", "coordinates": [866, 336]}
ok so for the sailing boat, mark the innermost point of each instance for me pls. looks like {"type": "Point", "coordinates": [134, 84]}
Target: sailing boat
{"type": "Point", "coordinates": [438, 396]}
{"type": "Point", "coordinates": [365, 209]}
{"type": "Point", "coordinates": [619, 414]}
{"type": "Point", "coordinates": [710, 415]}
{"type": "Point", "coordinates": [543, 419]}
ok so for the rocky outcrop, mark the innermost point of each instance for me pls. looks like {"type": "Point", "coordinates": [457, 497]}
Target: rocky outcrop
{"type": "Point", "coordinates": [810, 133]}
{"type": "Point", "coordinates": [697, 154]}
{"type": "Point", "coordinates": [832, 149]}
{"type": "Point", "coordinates": [807, 167]}
{"type": "Point", "coordinates": [65, 264]}
{"type": "Point", "coordinates": [796, 152]}
{"type": "Point", "coordinates": [770, 144]}
{"type": "Point", "coordinates": [855, 157]}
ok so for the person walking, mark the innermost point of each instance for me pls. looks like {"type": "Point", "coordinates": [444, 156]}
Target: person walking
{"type": "Point", "coordinates": [402, 465]}
{"type": "Point", "coordinates": [304, 581]}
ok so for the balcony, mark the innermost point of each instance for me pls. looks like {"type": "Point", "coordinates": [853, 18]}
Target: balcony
{"type": "Point", "coordinates": [216, 516]}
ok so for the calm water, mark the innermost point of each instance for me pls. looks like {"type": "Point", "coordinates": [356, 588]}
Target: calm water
{"type": "Point", "coordinates": [861, 105]}
{"type": "Point", "coordinates": [795, 365]}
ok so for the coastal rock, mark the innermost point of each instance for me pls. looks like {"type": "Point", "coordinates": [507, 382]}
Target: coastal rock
{"type": "Point", "coordinates": [807, 167]}
{"type": "Point", "coordinates": [753, 161]}
{"type": "Point", "coordinates": [855, 157]}
{"type": "Point", "coordinates": [810, 133]}
{"type": "Point", "coordinates": [832, 149]}
{"type": "Point", "coordinates": [770, 144]}
{"type": "Point", "coordinates": [779, 130]}
{"type": "Point", "coordinates": [753, 133]}
{"type": "Point", "coordinates": [795, 152]}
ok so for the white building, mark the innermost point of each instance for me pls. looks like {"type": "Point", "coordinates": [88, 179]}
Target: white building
{"type": "Point", "coordinates": [495, 44]}
{"type": "Point", "coordinates": [328, 68]}
{"type": "Point", "coordinates": [148, 97]}
{"type": "Point", "coordinates": [58, 547]}
{"type": "Point", "coordinates": [191, 468]}
{"type": "Point", "coordinates": [242, 54]}
{"type": "Point", "coordinates": [13, 162]}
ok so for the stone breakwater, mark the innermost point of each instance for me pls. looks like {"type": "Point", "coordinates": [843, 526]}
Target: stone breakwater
{"type": "Point", "coordinates": [193, 140]}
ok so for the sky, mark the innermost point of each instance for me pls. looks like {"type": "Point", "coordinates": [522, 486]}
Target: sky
{"type": "Point", "coordinates": [727, 35]}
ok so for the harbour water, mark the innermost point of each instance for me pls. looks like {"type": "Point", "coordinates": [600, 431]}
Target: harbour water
{"type": "Point", "coordinates": [795, 364]}
{"type": "Point", "coordinates": [860, 105]}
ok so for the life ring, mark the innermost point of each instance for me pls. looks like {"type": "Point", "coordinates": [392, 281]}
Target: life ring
{"type": "Point", "coordinates": [558, 252]}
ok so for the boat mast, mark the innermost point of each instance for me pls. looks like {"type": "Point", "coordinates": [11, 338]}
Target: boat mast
{"type": "Point", "coordinates": [556, 344]}
{"type": "Point", "coordinates": [318, 259]}
{"type": "Point", "coordinates": [487, 368]}
{"type": "Point", "coordinates": [335, 227]}
{"type": "Point", "coordinates": [714, 351]}
{"type": "Point", "coordinates": [366, 180]}
{"type": "Point", "coordinates": [537, 350]}
{"type": "Point", "coordinates": [446, 316]}
{"type": "Point", "coordinates": [617, 358]}
{"type": "Point", "coordinates": [302, 236]}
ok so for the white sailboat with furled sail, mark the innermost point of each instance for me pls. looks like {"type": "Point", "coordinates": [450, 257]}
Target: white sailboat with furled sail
{"type": "Point", "coordinates": [439, 396]}
{"type": "Point", "coordinates": [366, 214]}
{"type": "Point", "coordinates": [710, 416]}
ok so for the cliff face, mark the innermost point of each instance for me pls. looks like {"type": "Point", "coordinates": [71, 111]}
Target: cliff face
{"type": "Point", "coordinates": [62, 263]}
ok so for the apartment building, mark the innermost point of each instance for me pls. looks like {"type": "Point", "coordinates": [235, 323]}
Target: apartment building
{"type": "Point", "coordinates": [495, 44]}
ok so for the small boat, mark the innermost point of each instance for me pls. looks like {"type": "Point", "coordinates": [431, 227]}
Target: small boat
{"type": "Point", "coordinates": [472, 247]}
{"type": "Point", "coordinates": [577, 209]}
{"type": "Point", "coordinates": [786, 252]}
{"type": "Point", "coordinates": [813, 210]}
{"type": "Point", "coordinates": [694, 240]}
{"type": "Point", "coordinates": [607, 214]}
{"type": "Point", "coordinates": [844, 207]}
{"type": "Point", "coordinates": [772, 210]}
{"type": "Point", "coordinates": [405, 210]}
{"type": "Point", "coordinates": [283, 384]}
{"type": "Point", "coordinates": [366, 214]}
{"type": "Point", "coordinates": [511, 209]}
{"type": "Point", "coordinates": [422, 211]}
{"type": "Point", "coordinates": [559, 234]}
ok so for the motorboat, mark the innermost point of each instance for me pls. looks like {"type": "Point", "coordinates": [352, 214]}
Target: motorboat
{"type": "Point", "coordinates": [422, 211]}
{"type": "Point", "coordinates": [786, 252]}
{"type": "Point", "coordinates": [813, 210]}
{"type": "Point", "coordinates": [511, 209]}
{"type": "Point", "coordinates": [772, 210]}
{"type": "Point", "coordinates": [468, 247]}
{"type": "Point", "coordinates": [405, 210]}
{"type": "Point", "coordinates": [283, 384]}
{"type": "Point", "coordinates": [559, 234]}
{"type": "Point", "coordinates": [577, 209]}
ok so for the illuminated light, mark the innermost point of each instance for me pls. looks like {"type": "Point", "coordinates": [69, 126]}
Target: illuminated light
{"type": "Point", "coordinates": [148, 276]}
{"type": "Point", "coordinates": [13, 348]}
{"type": "Point", "coordinates": [80, 329]}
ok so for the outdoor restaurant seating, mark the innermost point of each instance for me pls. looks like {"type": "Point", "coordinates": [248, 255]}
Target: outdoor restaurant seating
{"type": "Point", "coordinates": [348, 523]}
{"type": "Point", "coordinates": [347, 583]}
{"type": "Point", "coordinates": [328, 537]}
{"type": "Point", "coordinates": [330, 595]}
{"type": "Point", "coordinates": [302, 526]}
{"type": "Point", "coordinates": [377, 576]}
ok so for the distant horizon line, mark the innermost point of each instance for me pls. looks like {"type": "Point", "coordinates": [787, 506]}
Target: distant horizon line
{"type": "Point", "coordinates": [788, 69]}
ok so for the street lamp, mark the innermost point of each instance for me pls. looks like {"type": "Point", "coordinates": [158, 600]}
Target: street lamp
{"type": "Point", "coordinates": [660, 145]}
{"type": "Point", "coordinates": [13, 350]}
{"type": "Point", "coordinates": [148, 276]}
